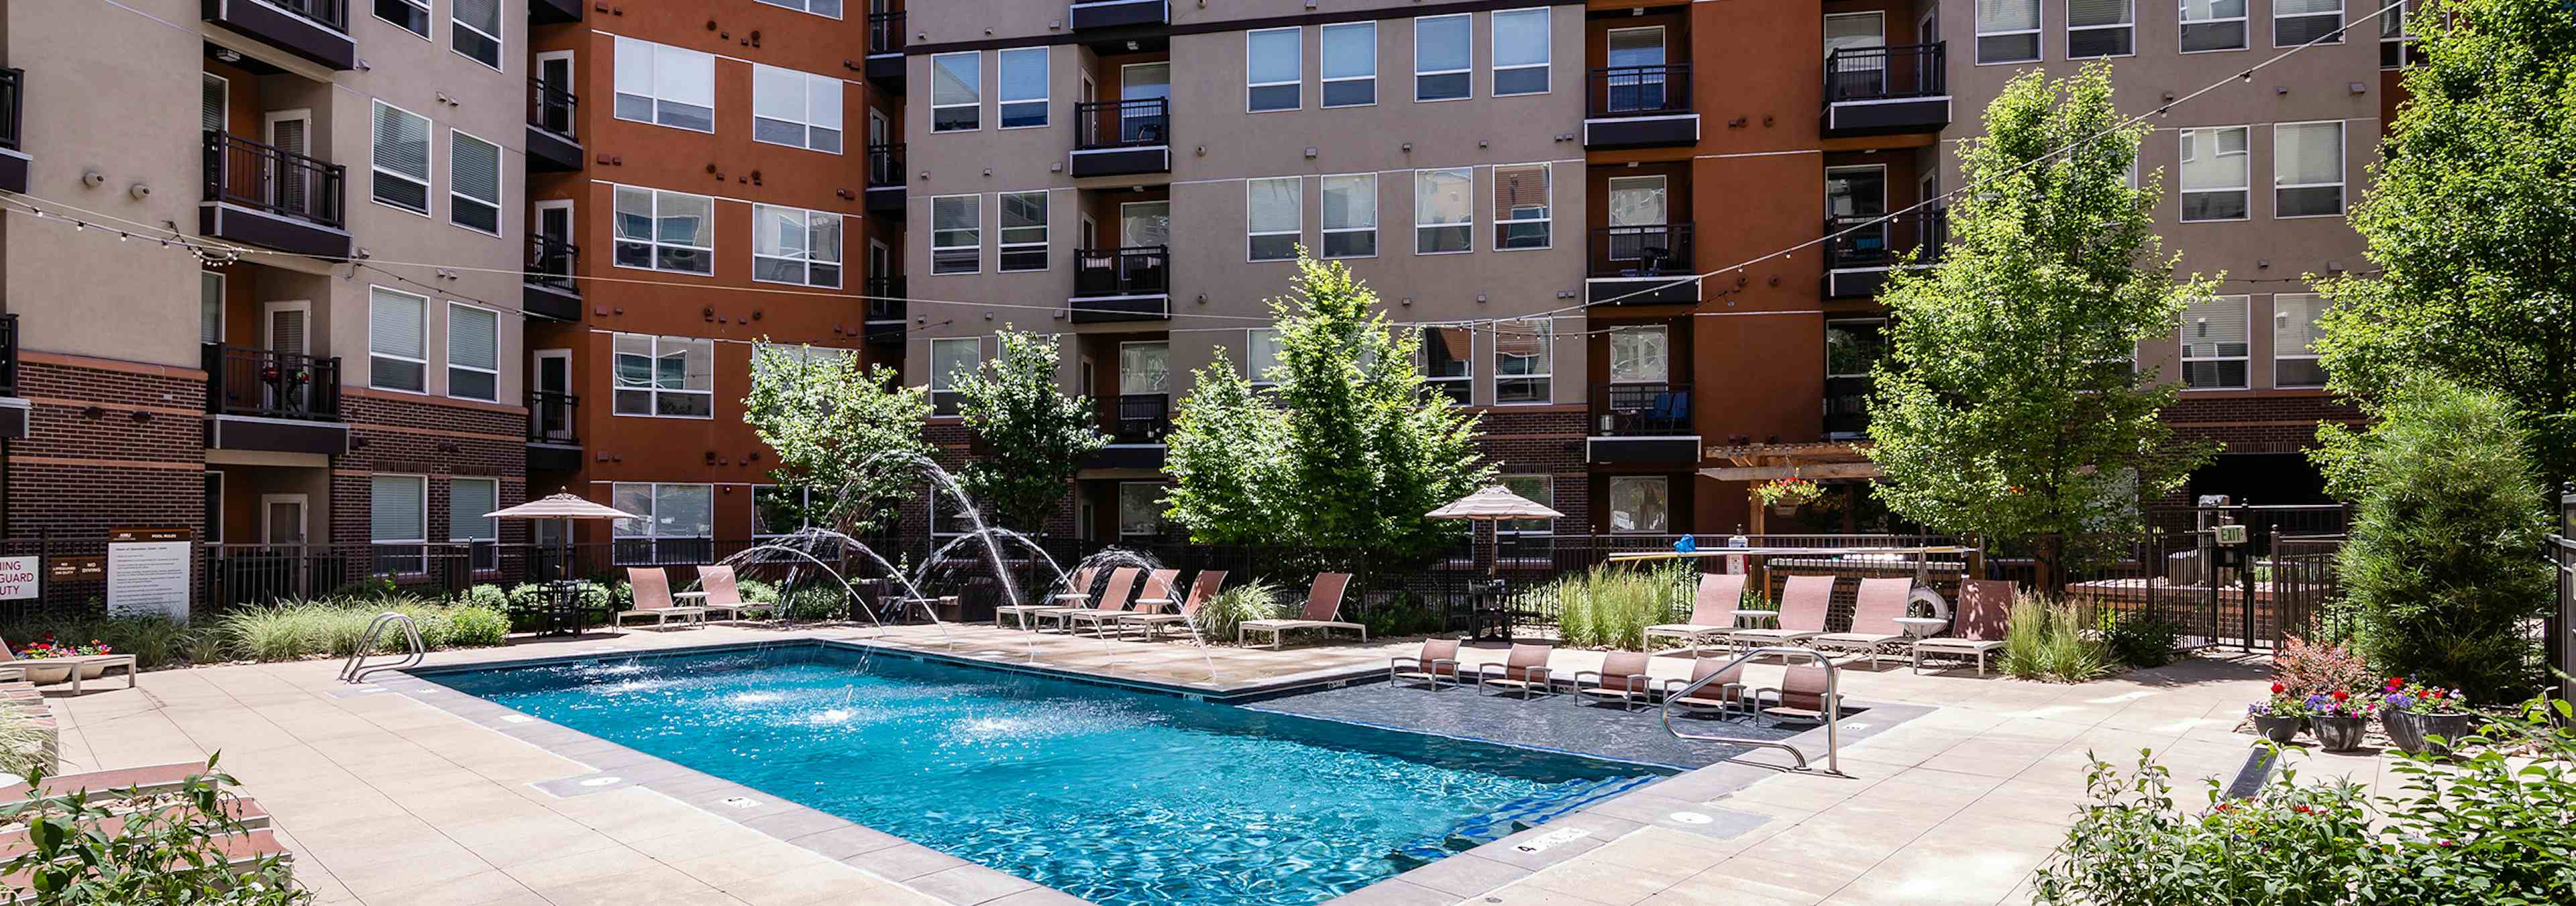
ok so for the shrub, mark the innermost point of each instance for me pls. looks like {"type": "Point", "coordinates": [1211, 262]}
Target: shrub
{"type": "Point", "coordinates": [477, 626]}
{"type": "Point", "coordinates": [2053, 641]}
{"type": "Point", "coordinates": [172, 853]}
{"type": "Point", "coordinates": [370, 587]}
{"type": "Point", "coordinates": [153, 639]}
{"type": "Point", "coordinates": [1610, 607]}
{"type": "Point", "coordinates": [207, 645]}
{"type": "Point", "coordinates": [1407, 615]}
{"type": "Point", "coordinates": [22, 743]}
{"type": "Point", "coordinates": [296, 630]}
{"type": "Point", "coordinates": [487, 595]}
{"type": "Point", "coordinates": [2140, 639]}
{"type": "Point", "coordinates": [755, 591]}
{"type": "Point", "coordinates": [1254, 600]}
{"type": "Point", "coordinates": [2312, 668]}
{"type": "Point", "coordinates": [813, 602]}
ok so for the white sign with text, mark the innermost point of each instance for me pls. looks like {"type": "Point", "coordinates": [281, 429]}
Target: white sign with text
{"type": "Point", "coordinates": [148, 577]}
{"type": "Point", "coordinates": [20, 577]}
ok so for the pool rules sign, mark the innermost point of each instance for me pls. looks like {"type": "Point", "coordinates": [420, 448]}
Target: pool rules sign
{"type": "Point", "coordinates": [147, 571]}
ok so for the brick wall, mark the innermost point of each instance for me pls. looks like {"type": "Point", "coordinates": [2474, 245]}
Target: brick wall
{"type": "Point", "coordinates": [426, 437]}
{"type": "Point", "coordinates": [2264, 423]}
{"type": "Point", "coordinates": [106, 447]}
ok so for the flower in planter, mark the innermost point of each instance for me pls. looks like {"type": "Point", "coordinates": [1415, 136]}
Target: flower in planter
{"type": "Point", "coordinates": [2420, 698]}
{"type": "Point", "coordinates": [2281, 704]}
{"type": "Point", "coordinates": [49, 647]}
{"type": "Point", "coordinates": [2340, 703]}
{"type": "Point", "coordinates": [1788, 491]}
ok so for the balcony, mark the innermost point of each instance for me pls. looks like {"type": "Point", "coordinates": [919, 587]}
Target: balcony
{"type": "Point", "coordinates": [1125, 284]}
{"type": "Point", "coordinates": [1846, 406]}
{"type": "Point", "coordinates": [1104, 14]}
{"type": "Point", "coordinates": [1857, 262]}
{"type": "Point", "coordinates": [885, 50]}
{"type": "Point", "coordinates": [1136, 424]}
{"type": "Point", "coordinates": [551, 145]}
{"type": "Point", "coordinates": [1122, 138]}
{"type": "Point", "coordinates": [886, 311]}
{"type": "Point", "coordinates": [279, 402]}
{"type": "Point", "coordinates": [13, 410]}
{"type": "Point", "coordinates": [13, 159]}
{"type": "Point", "coordinates": [272, 198]}
{"type": "Point", "coordinates": [885, 181]}
{"type": "Point", "coordinates": [554, 12]}
{"type": "Point", "coordinates": [554, 439]}
{"type": "Point", "coordinates": [549, 288]}
{"type": "Point", "coordinates": [1642, 423]}
{"type": "Point", "coordinates": [1882, 90]}
{"type": "Point", "coordinates": [1642, 265]}
{"type": "Point", "coordinates": [1640, 107]}
{"type": "Point", "coordinates": [317, 30]}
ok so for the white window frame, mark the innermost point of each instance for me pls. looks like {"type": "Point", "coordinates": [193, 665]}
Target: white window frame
{"type": "Point", "coordinates": [453, 366]}
{"type": "Point", "coordinates": [2182, 138]}
{"type": "Point", "coordinates": [2341, 10]}
{"type": "Point", "coordinates": [482, 556]}
{"type": "Point", "coordinates": [1325, 80]}
{"type": "Point", "coordinates": [654, 243]}
{"type": "Point", "coordinates": [1002, 84]}
{"type": "Point", "coordinates": [2183, 20]}
{"type": "Point", "coordinates": [419, 539]}
{"type": "Point", "coordinates": [2038, 33]}
{"type": "Point", "coordinates": [974, 203]}
{"type": "Point", "coordinates": [1441, 383]}
{"type": "Point", "coordinates": [2278, 355]}
{"type": "Point", "coordinates": [1297, 61]}
{"type": "Point", "coordinates": [807, 84]}
{"type": "Point", "coordinates": [222, 295]}
{"type": "Point", "coordinates": [802, 6]}
{"type": "Point", "coordinates": [653, 393]}
{"type": "Point", "coordinates": [1003, 247]}
{"type": "Point", "coordinates": [1375, 240]}
{"type": "Point", "coordinates": [977, 102]}
{"type": "Point", "coordinates": [2343, 163]}
{"type": "Point", "coordinates": [1469, 71]}
{"type": "Point", "coordinates": [839, 260]}
{"type": "Point", "coordinates": [1249, 234]}
{"type": "Point", "coordinates": [455, 192]}
{"type": "Point", "coordinates": [2128, 23]}
{"type": "Point", "coordinates": [1544, 363]}
{"type": "Point", "coordinates": [425, 17]}
{"type": "Point", "coordinates": [944, 381]}
{"type": "Point", "coordinates": [653, 74]}
{"type": "Point", "coordinates": [1419, 225]}
{"type": "Point", "coordinates": [1253, 373]}
{"type": "Point", "coordinates": [500, 48]}
{"type": "Point", "coordinates": [652, 522]}
{"type": "Point", "coordinates": [429, 151]}
{"type": "Point", "coordinates": [2408, 53]}
{"type": "Point", "coordinates": [1548, 219]}
{"type": "Point", "coordinates": [1546, 48]}
{"type": "Point", "coordinates": [2184, 346]}
{"type": "Point", "coordinates": [373, 354]}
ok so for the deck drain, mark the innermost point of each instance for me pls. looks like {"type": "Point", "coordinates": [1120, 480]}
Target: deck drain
{"type": "Point", "coordinates": [1691, 817]}
{"type": "Point", "coordinates": [1552, 839]}
{"type": "Point", "coordinates": [739, 801]}
{"type": "Point", "coordinates": [602, 781]}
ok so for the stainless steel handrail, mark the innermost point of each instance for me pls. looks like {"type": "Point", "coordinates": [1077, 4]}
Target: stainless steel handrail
{"type": "Point", "coordinates": [1833, 708]}
{"type": "Point", "coordinates": [357, 668]}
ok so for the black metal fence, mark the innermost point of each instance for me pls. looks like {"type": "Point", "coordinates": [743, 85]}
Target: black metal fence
{"type": "Point", "coordinates": [1872, 242]}
{"type": "Point", "coordinates": [267, 178]}
{"type": "Point", "coordinates": [885, 32]}
{"type": "Point", "coordinates": [12, 106]}
{"type": "Point", "coordinates": [1882, 73]}
{"type": "Point", "coordinates": [1623, 91]}
{"type": "Point", "coordinates": [244, 380]}
{"type": "Point", "coordinates": [1132, 123]}
{"type": "Point", "coordinates": [553, 263]}
{"type": "Point", "coordinates": [1131, 271]}
{"type": "Point", "coordinates": [552, 107]}
{"type": "Point", "coordinates": [885, 164]}
{"type": "Point", "coordinates": [2248, 593]}
{"type": "Point", "coordinates": [1653, 250]}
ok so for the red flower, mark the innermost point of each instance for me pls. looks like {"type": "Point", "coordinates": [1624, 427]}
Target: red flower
{"type": "Point", "coordinates": [2277, 688]}
{"type": "Point", "coordinates": [2339, 695]}
{"type": "Point", "coordinates": [2437, 693]}
{"type": "Point", "coordinates": [2394, 682]}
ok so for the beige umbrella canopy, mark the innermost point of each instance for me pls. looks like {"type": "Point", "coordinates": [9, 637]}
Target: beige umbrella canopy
{"type": "Point", "coordinates": [1494, 503]}
{"type": "Point", "coordinates": [562, 506]}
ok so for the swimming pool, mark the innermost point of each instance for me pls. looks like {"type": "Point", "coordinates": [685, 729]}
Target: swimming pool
{"type": "Point", "coordinates": [1119, 796]}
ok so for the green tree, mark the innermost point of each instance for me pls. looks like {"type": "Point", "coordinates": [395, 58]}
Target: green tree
{"type": "Point", "coordinates": [1034, 437]}
{"type": "Point", "coordinates": [2467, 220]}
{"type": "Point", "coordinates": [845, 433]}
{"type": "Point", "coordinates": [2005, 406]}
{"type": "Point", "coordinates": [2439, 575]}
{"type": "Point", "coordinates": [1346, 452]}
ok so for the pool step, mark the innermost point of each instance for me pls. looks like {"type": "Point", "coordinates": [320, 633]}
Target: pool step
{"type": "Point", "coordinates": [1516, 816]}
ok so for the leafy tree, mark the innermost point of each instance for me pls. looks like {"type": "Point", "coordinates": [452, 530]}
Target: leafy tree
{"type": "Point", "coordinates": [1347, 452]}
{"type": "Point", "coordinates": [847, 434]}
{"type": "Point", "coordinates": [1035, 438]}
{"type": "Point", "coordinates": [126, 849]}
{"type": "Point", "coordinates": [2467, 221]}
{"type": "Point", "coordinates": [2439, 573]}
{"type": "Point", "coordinates": [2005, 406]}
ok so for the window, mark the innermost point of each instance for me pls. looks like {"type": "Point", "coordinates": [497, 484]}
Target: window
{"type": "Point", "coordinates": [1636, 77]}
{"type": "Point", "coordinates": [1520, 51]}
{"type": "Point", "coordinates": [1145, 369]}
{"type": "Point", "coordinates": [956, 91]}
{"type": "Point", "coordinates": [1274, 217]}
{"type": "Point", "coordinates": [1448, 359]}
{"type": "Point", "coordinates": [1350, 216]}
{"type": "Point", "coordinates": [398, 522]}
{"type": "Point", "coordinates": [467, 500]}
{"type": "Point", "coordinates": [473, 352]}
{"type": "Point", "coordinates": [658, 83]}
{"type": "Point", "coordinates": [2213, 343]}
{"type": "Point", "coordinates": [397, 340]}
{"type": "Point", "coordinates": [2397, 39]}
{"type": "Point", "coordinates": [677, 524]}
{"type": "Point", "coordinates": [2213, 25]}
{"type": "Point", "coordinates": [1538, 489]}
{"type": "Point", "coordinates": [796, 109]}
{"type": "Point", "coordinates": [1140, 508]}
{"type": "Point", "coordinates": [1272, 71]}
{"type": "Point", "coordinates": [777, 511]}
{"type": "Point", "coordinates": [2008, 31]}
{"type": "Point", "coordinates": [826, 8]}
{"type": "Point", "coordinates": [473, 183]}
{"type": "Point", "coordinates": [1444, 206]}
{"type": "Point", "coordinates": [1023, 88]}
{"type": "Point", "coordinates": [1520, 206]}
{"type": "Point", "coordinates": [1350, 64]}
{"type": "Point", "coordinates": [2307, 169]}
{"type": "Point", "coordinates": [2101, 28]}
{"type": "Point", "coordinates": [1444, 58]}
{"type": "Point", "coordinates": [949, 357]}
{"type": "Point", "coordinates": [1853, 348]}
{"type": "Point", "coordinates": [794, 245]}
{"type": "Point", "coordinates": [1637, 219]}
{"type": "Point", "coordinates": [2297, 22]}
{"type": "Point", "coordinates": [408, 15]}
{"type": "Point", "coordinates": [2214, 173]}
{"type": "Point", "coordinates": [2294, 340]}
{"type": "Point", "coordinates": [1261, 355]}
{"type": "Point", "coordinates": [1640, 503]}
{"type": "Point", "coordinates": [665, 376]}
{"type": "Point", "coordinates": [1024, 230]}
{"type": "Point", "coordinates": [475, 30]}
{"type": "Point", "coordinates": [1640, 355]}
{"type": "Point", "coordinates": [399, 141]}
{"type": "Point", "coordinates": [665, 231]}
{"type": "Point", "coordinates": [210, 307]}
{"type": "Point", "coordinates": [1524, 359]}
{"type": "Point", "coordinates": [956, 234]}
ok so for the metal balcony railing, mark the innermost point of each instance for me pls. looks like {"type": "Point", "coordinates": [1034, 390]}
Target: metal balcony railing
{"type": "Point", "coordinates": [1142, 270]}
{"type": "Point", "coordinates": [1885, 73]}
{"type": "Point", "coordinates": [12, 106]}
{"type": "Point", "coordinates": [1140, 418]}
{"type": "Point", "coordinates": [552, 263]}
{"type": "Point", "coordinates": [885, 32]}
{"type": "Point", "coordinates": [1642, 410]}
{"type": "Point", "coordinates": [551, 107]}
{"type": "Point", "coordinates": [245, 380]}
{"type": "Point", "coordinates": [1847, 406]}
{"type": "Point", "coordinates": [8, 355]}
{"type": "Point", "coordinates": [1138, 123]}
{"type": "Point", "coordinates": [262, 177]}
{"type": "Point", "coordinates": [1882, 243]}
{"type": "Point", "coordinates": [550, 418]}
{"type": "Point", "coordinates": [1642, 251]}
{"type": "Point", "coordinates": [333, 13]}
{"type": "Point", "coordinates": [886, 310]}
{"type": "Point", "coordinates": [1661, 90]}
{"type": "Point", "coordinates": [885, 164]}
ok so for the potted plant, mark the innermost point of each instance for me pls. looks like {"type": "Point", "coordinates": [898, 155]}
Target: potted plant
{"type": "Point", "coordinates": [2278, 718]}
{"type": "Point", "coordinates": [2416, 714]}
{"type": "Point", "coordinates": [2339, 718]}
{"type": "Point", "coordinates": [1785, 495]}
{"type": "Point", "coordinates": [48, 648]}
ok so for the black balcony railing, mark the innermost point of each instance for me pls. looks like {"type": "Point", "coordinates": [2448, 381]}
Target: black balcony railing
{"type": "Point", "coordinates": [1640, 90]}
{"type": "Point", "coordinates": [1138, 123]}
{"type": "Point", "coordinates": [1142, 270]}
{"type": "Point", "coordinates": [12, 107]}
{"type": "Point", "coordinates": [1641, 251]}
{"type": "Point", "coordinates": [886, 309]}
{"type": "Point", "coordinates": [244, 380]}
{"type": "Point", "coordinates": [262, 177]}
{"type": "Point", "coordinates": [1140, 418]}
{"type": "Point", "coordinates": [551, 107]}
{"type": "Point", "coordinates": [334, 13]}
{"type": "Point", "coordinates": [1883, 73]}
{"type": "Point", "coordinates": [551, 263]}
{"type": "Point", "coordinates": [885, 32]}
{"type": "Point", "coordinates": [885, 164]}
{"type": "Point", "coordinates": [1642, 410]}
{"type": "Point", "coordinates": [1847, 406]}
{"type": "Point", "coordinates": [550, 418]}
{"type": "Point", "coordinates": [1874, 243]}
{"type": "Point", "coordinates": [8, 355]}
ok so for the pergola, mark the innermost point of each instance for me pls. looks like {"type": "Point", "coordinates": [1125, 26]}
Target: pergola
{"type": "Point", "coordinates": [1756, 463]}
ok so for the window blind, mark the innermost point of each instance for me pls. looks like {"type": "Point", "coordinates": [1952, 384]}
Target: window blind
{"type": "Point", "coordinates": [397, 508]}
{"type": "Point", "coordinates": [394, 324]}
{"type": "Point", "coordinates": [473, 337]}
{"type": "Point", "coordinates": [467, 500]}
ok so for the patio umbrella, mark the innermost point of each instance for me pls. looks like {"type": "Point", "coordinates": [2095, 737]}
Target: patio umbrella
{"type": "Point", "coordinates": [562, 506]}
{"type": "Point", "coordinates": [1494, 503]}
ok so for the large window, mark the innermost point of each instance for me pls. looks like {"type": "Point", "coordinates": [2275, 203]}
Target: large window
{"type": "Point", "coordinates": [794, 245]}
{"type": "Point", "coordinates": [2213, 25]}
{"type": "Point", "coordinates": [2297, 22]}
{"type": "Point", "coordinates": [1524, 360]}
{"type": "Point", "coordinates": [2214, 173]}
{"type": "Point", "coordinates": [1023, 88]}
{"type": "Point", "coordinates": [408, 15]}
{"type": "Point", "coordinates": [468, 499]}
{"type": "Point", "coordinates": [1350, 216]}
{"type": "Point", "coordinates": [2008, 31]}
{"type": "Point", "coordinates": [658, 83]}
{"type": "Point", "coordinates": [2294, 340]}
{"type": "Point", "coordinates": [671, 377]}
{"type": "Point", "coordinates": [1538, 489]}
{"type": "Point", "coordinates": [397, 340]}
{"type": "Point", "coordinates": [476, 30]}
{"type": "Point", "coordinates": [665, 231]}
{"type": "Point", "coordinates": [210, 307]}
{"type": "Point", "coordinates": [1448, 363]}
{"type": "Point", "coordinates": [1274, 217]}
{"type": "Point", "coordinates": [950, 357]}
{"type": "Point", "coordinates": [777, 511]}
{"type": "Point", "coordinates": [677, 524]}
{"type": "Point", "coordinates": [1521, 206]}
{"type": "Point", "coordinates": [398, 522]}
{"type": "Point", "coordinates": [1350, 64]}
{"type": "Point", "coordinates": [1145, 369]}
{"type": "Point", "coordinates": [2101, 28]}
{"type": "Point", "coordinates": [1444, 57]}
{"type": "Point", "coordinates": [826, 8]}
{"type": "Point", "coordinates": [1640, 354]}
{"type": "Point", "coordinates": [1140, 509]}
{"type": "Point", "coordinates": [2214, 343]}
{"type": "Point", "coordinates": [399, 141]}
{"type": "Point", "coordinates": [2397, 38]}
{"type": "Point", "coordinates": [1444, 211]}
{"type": "Point", "coordinates": [1024, 230]}
{"type": "Point", "coordinates": [473, 183]}
{"type": "Point", "coordinates": [2307, 169]}
{"type": "Point", "coordinates": [1261, 356]}
{"type": "Point", "coordinates": [1520, 51]}
{"type": "Point", "coordinates": [1640, 504]}
{"type": "Point", "coordinates": [473, 352]}
{"type": "Point", "coordinates": [956, 234]}
{"type": "Point", "coordinates": [1272, 70]}
{"type": "Point", "coordinates": [796, 109]}
{"type": "Point", "coordinates": [957, 91]}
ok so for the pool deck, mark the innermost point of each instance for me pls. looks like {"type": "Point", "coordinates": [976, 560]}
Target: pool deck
{"type": "Point", "coordinates": [411, 795]}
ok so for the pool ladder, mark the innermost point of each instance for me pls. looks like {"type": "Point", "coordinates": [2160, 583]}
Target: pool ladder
{"type": "Point", "coordinates": [357, 668]}
{"type": "Point", "coordinates": [1833, 708]}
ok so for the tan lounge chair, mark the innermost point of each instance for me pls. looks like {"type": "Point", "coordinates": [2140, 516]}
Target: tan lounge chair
{"type": "Point", "coordinates": [1122, 582]}
{"type": "Point", "coordinates": [653, 598]}
{"type": "Point", "coordinates": [1157, 592]}
{"type": "Point", "coordinates": [1725, 693]}
{"type": "Point", "coordinates": [1712, 611]}
{"type": "Point", "coordinates": [1323, 603]}
{"type": "Point", "coordinates": [724, 595]}
{"type": "Point", "coordinates": [1801, 695]}
{"type": "Point", "coordinates": [1985, 606]}
{"type": "Point", "coordinates": [1873, 627]}
{"type": "Point", "coordinates": [1526, 670]}
{"type": "Point", "coordinates": [1077, 589]}
{"type": "Point", "coordinates": [1622, 679]}
{"type": "Point", "coordinates": [1438, 661]}
{"type": "Point", "coordinates": [1803, 601]}
{"type": "Point", "coordinates": [79, 664]}
{"type": "Point", "coordinates": [1202, 589]}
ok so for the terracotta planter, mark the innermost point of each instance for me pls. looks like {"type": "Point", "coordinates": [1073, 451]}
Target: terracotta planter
{"type": "Point", "coordinates": [43, 673]}
{"type": "Point", "coordinates": [2413, 733]}
{"type": "Point", "coordinates": [2339, 734]}
{"type": "Point", "coordinates": [2278, 729]}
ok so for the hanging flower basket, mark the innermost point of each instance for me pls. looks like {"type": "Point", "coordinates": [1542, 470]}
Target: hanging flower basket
{"type": "Point", "coordinates": [1786, 495]}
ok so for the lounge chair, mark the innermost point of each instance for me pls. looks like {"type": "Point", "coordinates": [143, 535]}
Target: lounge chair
{"type": "Point", "coordinates": [653, 598]}
{"type": "Point", "coordinates": [1077, 590]}
{"type": "Point", "coordinates": [1712, 611]}
{"type": "Point", "coordinates": [1157, 592]}
{"type": "Point", "coordinates": [1873, 627]}
{"type": "Point", "coordinates": [1800, 697]}
{"type": "Point", "coordinates": [1622, 679]}
{"type": "Point", "coordinates": [1202, 589]}
{"type": "Point", "coordinates": [77, 664]}
{"type": "Point", "coordinates": [1323, 603]}
{"type": "Point", "coordinates": [1122, 581]}
{"type": "Point", "coordinates": [1438, 661]}
{"type": "Point", "coordinates": [1985, 606]}
{"type": "Point", "coordinates": [1803, 601]}
{"type": "Point", "coordinates": [1723, 694]}
{"type": "Point", "coordinates": [1526, 670]}
{"type": "Point", "coordinates": [723, 595]}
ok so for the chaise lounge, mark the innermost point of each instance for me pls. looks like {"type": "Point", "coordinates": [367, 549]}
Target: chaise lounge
{"type": "Point", "coordinates": [1712, 611]}
{"type": "Point", "coordinates": [653, 598]}
{"type": "Point", "coordinates": [1985, 606]}
{"type": "Point", "coordinates": [1803, 602]}
{"type": "Point", "coordinates": [1077, 590]}
{"type": "Point", "coordinates": [1323, 603]}
{"type": "Point", "coordinates": [1874, 630]}
{"type": "Point", "coordinates": [1202, 589]}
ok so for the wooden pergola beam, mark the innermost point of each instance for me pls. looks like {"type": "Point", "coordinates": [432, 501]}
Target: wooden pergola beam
{"type": "Point", "coordinates": [1820, 470]}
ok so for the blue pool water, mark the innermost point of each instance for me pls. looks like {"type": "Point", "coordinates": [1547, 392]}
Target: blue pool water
{"type": "Point", "coordinates": [1117, 796]}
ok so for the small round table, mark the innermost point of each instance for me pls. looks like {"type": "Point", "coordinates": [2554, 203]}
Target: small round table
{"type": "Point", "coordinates": [1757, 619]}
